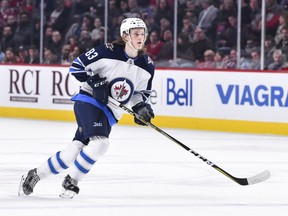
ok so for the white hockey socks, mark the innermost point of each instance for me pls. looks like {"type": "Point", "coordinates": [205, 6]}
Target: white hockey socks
{"type": "Point", "coordinates": [61, 160]}
{"type": "Point", "coordinates": [96, 148]}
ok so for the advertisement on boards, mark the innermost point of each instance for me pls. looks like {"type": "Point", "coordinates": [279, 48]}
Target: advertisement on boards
{"type": "Point", "coordinates": [248, 96]}
{"type": "Point", "coordinates": [37, 87]}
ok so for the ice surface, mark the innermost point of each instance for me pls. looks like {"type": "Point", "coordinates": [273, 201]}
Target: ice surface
{"type": "Point", "coordinates": [145, 174]}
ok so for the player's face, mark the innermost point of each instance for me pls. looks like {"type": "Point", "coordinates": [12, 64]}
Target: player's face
{"type": "Point", "coordinates": [138, 37]}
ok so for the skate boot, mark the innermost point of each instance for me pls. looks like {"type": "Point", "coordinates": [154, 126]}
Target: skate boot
{"type": "Point", "coordinates": [70, 188]}
{"type": "Point", "coordinates": [28, 182]}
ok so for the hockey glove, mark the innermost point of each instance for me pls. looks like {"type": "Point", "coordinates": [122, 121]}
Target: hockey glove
{"type": "Point", "coordinates": [144, 110]}
{"type": "Point", "coordinates": [99, 87]}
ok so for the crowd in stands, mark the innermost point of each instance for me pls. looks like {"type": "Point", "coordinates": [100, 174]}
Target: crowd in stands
{"type": "Point", "coordinates": [206, 31]}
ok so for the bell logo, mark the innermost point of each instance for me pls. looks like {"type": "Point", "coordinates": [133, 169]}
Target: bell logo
{"type": "Point", "coordinates": [182, 95]}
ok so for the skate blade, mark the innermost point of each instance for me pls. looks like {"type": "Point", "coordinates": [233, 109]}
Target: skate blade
{"type": "Point", "coordinates": [20, 189]}
{"type": "Point", "coordinates": [67, 194]}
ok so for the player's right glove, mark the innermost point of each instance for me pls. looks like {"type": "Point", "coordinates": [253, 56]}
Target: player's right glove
{"type": "Point", "coordinates": [144, 110]}
{"type": "Point", "coordinates": [99, 87]}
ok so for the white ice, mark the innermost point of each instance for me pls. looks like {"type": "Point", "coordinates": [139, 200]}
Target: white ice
{"type": "Point", "coordinates": [145, 174]}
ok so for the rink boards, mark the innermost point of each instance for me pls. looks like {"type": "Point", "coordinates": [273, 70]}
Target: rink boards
{"type": "Point", "coordinates": [253, 102]}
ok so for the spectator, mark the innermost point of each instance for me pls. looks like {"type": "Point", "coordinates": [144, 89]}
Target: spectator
{"type": "Point", "coordinates": [65, 55]}
{"type": "Point", "coordinates": [86, 21]}
{"type": "Point", "coordinates": [273, 11]}
{"type": "Point", "coordinates": [154, 45]}
{"type": "Point", "coordinates": [269, 48]}
{"type": "Point", "coordinates": [95, 34]}
{"type": "Point", "coordinates": [124, 8]}
{"type": "Point", "coordinates": [11, 57]}
{"type": "Point", "coordinates": [245, 12]}
{"type": "Point", "coordinates": [273, 7]}
{"type": "Point", "coordinates": [163, 10]}
{"type": "Point", "coordinates": [85, 42]}
{"type": "Point", "coordinates": [101, 40]}
{"type": "Point", "coordinates": [50, 57]}
{"type": "Point", "coordinates": [190, 5]}
{"type": "Point", "coordinates": [184, 53]}
{"type": "Point", "coordinates": [5, 10]}
{"type": "Point", "coordinates": [283, 21]}
{"type": "Point", "coordinates": [250, 46]}
{"type": "Point", "coordinates": [12, 22]}
{"type": "Point", "coordinates": [113, 12]}
{"type": "Point", "coordinates": [134, 9]}
{"type": "Point", "coordinates": [207, 17]}
{"type": "Point", "coordinates": [74, 53]}
{"type": "Point", "coordinates": [33, 55]}
{"type": "Point", "coordinates": [48, 36]}
{"type": "Point", "coordinates": [23, 33]}
{"type": "Point", "coordinates": [150, 22]}
{"type": "Point", "coordinates": [283, 43]}
{"type": "Point", "coordinates": [231, 59]}
{"type": "Point", "coordinates": [208, 62]}
{"type": "Point", "coordinates": [73, 42]}
{"type": "Point", "coordinates": [252, 62]}
{"type": "Point", "coordinates": [36, 37]}
{"type": "Point", "coordinates": [22, 54]}
{"type": "Point", "coordinates": [231, 32]}
{"type": "Point", "coordinates": [56, 43]}
{"type": "Point", "coordinates": [200, 44]}
{"type": "Point", "coordinates": [227, 8]}
{"type": "Point", "coordinates": [255, 16]}
{"type": "Point", "coordinates": [166, 51]}
{"type": "Point", "coordinates": [255, 63]}
{"type": "Point", "coordinates": [60, 17]}
{"type": "Point", "coordinates": [279, 61]}
{"type": "Point", "coordinates": [164, 25]}
{"type": "Point", "coordinates": [188, 26]}
{"type": "Point", "coordinates": [218, 59]}
{"type": "Point", "coordinates": [7, 38]}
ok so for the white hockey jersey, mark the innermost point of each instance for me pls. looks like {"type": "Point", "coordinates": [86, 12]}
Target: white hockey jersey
{"type": "Point", "coordinates": [129, 79]}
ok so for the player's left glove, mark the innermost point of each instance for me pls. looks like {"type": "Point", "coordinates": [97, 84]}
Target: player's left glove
{"type": "Point", "coordinates": [99, 87]}
{"type": "Point", "coordinates": [144, 110]}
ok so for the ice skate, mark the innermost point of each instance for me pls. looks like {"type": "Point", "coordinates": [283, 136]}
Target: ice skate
{"type": "Point", "coordinates": [70, 188]}
{"type": "Point", "coordinates": [27, 183]}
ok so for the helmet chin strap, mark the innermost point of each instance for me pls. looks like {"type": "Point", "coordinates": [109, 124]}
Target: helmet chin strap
{"type": "Point", "coordinates": [129, 42]}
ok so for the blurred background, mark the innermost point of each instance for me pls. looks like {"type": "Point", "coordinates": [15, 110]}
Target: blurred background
{"type": "Point", "coordinates": [216, 34]}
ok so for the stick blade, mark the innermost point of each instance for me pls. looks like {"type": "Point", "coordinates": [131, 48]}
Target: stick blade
{"type": "Point", "coordinates": [259, 177]}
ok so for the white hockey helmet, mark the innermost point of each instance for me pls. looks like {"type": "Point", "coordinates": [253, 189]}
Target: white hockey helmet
{"type": "Point", "coordinates": [131, 23]}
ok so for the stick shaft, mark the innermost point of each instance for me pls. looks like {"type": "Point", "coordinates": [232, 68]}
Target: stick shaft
{"type": "Point", "coordinates": [241, 181]}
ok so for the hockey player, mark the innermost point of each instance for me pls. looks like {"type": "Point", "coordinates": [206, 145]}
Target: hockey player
{"type": "Point", "coordinates": [120, 70]}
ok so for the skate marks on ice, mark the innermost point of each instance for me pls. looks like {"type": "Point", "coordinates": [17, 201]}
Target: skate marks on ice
{"type": "Point", "coordinates": [145, 174]}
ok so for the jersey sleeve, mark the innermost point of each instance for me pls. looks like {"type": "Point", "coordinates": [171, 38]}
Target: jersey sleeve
{"type": "Point", "coordinates": [144, 88]}
{"type": "Point", "coordinates": [80, 66]}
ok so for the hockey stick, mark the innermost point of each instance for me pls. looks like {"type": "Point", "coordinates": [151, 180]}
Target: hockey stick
{"type": "Point", "coordinates": [242, 181]}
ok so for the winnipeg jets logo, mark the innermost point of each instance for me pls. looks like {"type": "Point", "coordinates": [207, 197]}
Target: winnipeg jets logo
{"type": "Point", "coordinates": [109, 46]}
{"type": "Point", "coordinates": [122, 89]}
{"type": "Point", "coordinates": [150, 60]}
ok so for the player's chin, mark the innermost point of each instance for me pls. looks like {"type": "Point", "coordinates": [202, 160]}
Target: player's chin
{"type": "Point", "coordinates": [139, 46]}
